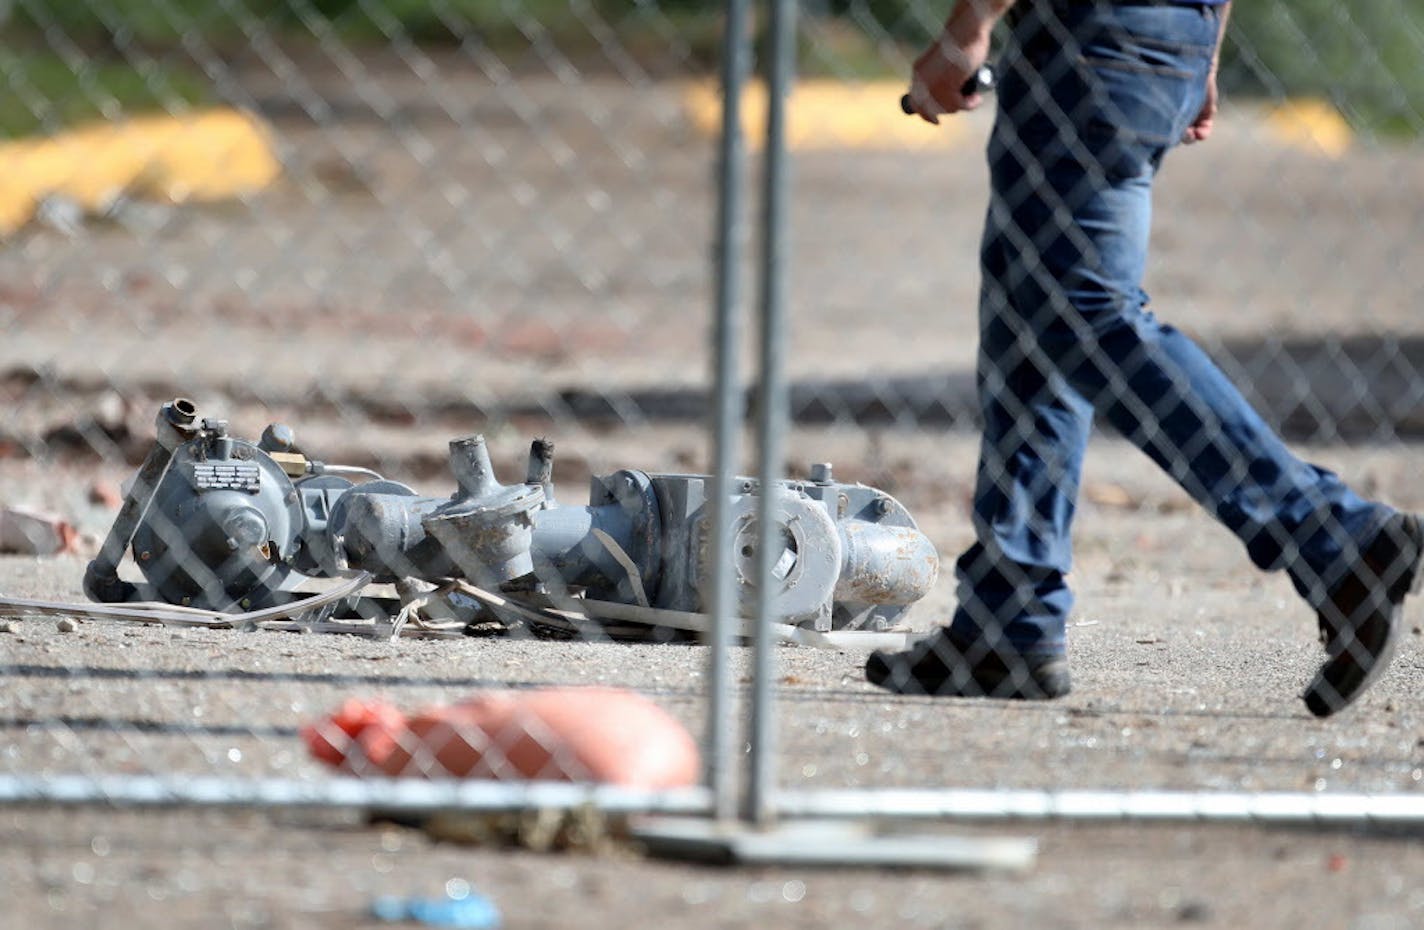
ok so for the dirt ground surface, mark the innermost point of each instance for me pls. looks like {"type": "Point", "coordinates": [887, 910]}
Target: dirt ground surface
{"type": "Point", "coordinates": [441, 237]}
{"type": "Point", "coordinates": [482, 253]}
{"type": "Point", "coordinates": [293, 871]}
{"type": "Point", "coordinates": [1187, 664]}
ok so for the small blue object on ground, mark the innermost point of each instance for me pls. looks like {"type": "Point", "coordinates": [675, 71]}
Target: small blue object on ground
{"type": "Point", "coordinates": [470, 912]}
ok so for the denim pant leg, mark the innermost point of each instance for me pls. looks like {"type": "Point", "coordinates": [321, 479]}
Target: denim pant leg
{"type": "Point", "coordinates": [1011, 582]}
{"type": "Point", "coordinates": [1092, 98]}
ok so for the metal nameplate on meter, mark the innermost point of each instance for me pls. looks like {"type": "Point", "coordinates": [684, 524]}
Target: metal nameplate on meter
{"type": "Point", "coordinates": [227, 476]}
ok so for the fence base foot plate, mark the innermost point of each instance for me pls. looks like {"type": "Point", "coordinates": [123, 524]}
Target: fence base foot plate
{"type": "Point", "coordinates": [827, 843]}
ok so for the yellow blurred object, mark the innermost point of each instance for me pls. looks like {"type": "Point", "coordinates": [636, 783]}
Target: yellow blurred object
{"type": "Point", "coordinates": [201, 156]}
{"type": "Point", "coordinates": [1310, 124]}
{"type": "Point", "coordinates": [827, 115]}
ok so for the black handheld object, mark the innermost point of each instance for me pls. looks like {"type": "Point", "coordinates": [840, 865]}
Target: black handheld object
{"type": "Point", "coordinates": [980, 82]}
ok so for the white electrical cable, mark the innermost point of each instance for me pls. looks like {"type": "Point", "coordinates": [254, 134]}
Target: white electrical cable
{"type": "Point", "coordinates": [355, 471]}
{"type": "Point", "coordinates": [148, 612]}
{"type": "Point", "coordinates": [840, 640]}
{"type": "Point", "coordinates": [272, 618]}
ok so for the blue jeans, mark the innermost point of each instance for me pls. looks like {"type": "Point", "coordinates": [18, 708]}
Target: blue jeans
{"type": "Point", "coordinates": [1091, 97]}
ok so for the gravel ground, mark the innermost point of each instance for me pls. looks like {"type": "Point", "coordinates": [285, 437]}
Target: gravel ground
{"type": "Point", "coordinates": [1187, 664]}
{"type": "Point", "coordinates": [67, 869]}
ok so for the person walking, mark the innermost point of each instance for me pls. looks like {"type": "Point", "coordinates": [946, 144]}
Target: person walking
{"type": "Point", "coordinates": [1091, 95]}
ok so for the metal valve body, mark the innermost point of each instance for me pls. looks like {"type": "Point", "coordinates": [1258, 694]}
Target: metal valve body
{"type": "Point", "coordinates": [233, 525]}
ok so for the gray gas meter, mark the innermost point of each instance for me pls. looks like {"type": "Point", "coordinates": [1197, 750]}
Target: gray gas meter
{"type": "Point", "coordinates": [229, 524]}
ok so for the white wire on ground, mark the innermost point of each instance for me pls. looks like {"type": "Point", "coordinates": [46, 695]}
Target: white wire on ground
{"type": "Point", "coordinates": [285, 617]}
{"type": "Point", "coordinates": [172, 615]}
{"type": "Point", "coordinates": [842, 640]}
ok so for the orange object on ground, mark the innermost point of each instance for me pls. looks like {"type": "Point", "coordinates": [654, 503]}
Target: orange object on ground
{"type": "Point", "coordinates": [564, 734]}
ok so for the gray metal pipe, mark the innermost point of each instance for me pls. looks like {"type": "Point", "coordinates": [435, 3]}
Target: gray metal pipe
{"type": "Point", "coordinates": [540, 470]}
{"type": "Point", "coordinates": [387, 535]}
{"type": "Point", "coordinates": [174, 426]}
{"type": "Point", "coordinates": [885, 564]}
{"type": "Point", "coordinates": [471, 466]}
{"type": "Point", "coordinates": [564, 540]}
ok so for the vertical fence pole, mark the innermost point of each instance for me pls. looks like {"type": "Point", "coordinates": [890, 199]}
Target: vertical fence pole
{"type": "Point", "coordinates": [727, 416]}
{"type": "Point", "coordinates": [771, 402]}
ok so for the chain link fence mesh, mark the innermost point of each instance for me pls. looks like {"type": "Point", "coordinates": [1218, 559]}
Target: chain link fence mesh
{"type": "Point", "coordinates": [389, 225]}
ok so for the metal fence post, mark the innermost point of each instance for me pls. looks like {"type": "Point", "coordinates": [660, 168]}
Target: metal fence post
{"type": "Point", "coordinates": [727, 416]}
{"type": "Point", "coordinates": [771, 394]}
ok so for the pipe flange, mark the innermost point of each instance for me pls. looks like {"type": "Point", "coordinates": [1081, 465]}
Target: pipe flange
{"type": "Point", "coordinates": [807, 565]}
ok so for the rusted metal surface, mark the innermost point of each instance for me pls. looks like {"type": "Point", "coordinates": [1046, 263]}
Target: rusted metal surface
{"type": "Point", "coordinates": [885, 564]}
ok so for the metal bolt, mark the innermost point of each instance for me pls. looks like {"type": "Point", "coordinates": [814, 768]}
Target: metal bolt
{"type": "Point", "coordinates": [278, 437]}
{"type": "Point", "coordinates": [145, 555]}
{"type": "Point", "coordinates": [245, 603]}
{"type": "Point", "coordinates": [883, 505]}
{"type": "Point", "coordinates": [821, 473]}
{"type": "Point", "coordinates": [747, 486]}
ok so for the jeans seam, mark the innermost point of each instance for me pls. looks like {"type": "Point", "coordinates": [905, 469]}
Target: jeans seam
{"type": "Point", "coordinates": [1138, 68]}
{"type": "Point", "coordinates": [1171, 47]}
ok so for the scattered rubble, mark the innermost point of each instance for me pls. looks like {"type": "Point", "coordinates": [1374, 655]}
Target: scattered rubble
{"type": "Point", "coordinates": [106, 494]}
{"type": "Point", "coordinates": [27, 531]}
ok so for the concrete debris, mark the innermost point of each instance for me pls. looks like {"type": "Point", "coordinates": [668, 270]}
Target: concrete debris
{"type": "Point", "coordinates": [27, 531]}
{"type": "Point", "coordinates": [103, 430]}
{"type": "Point", "coordinates": [106, 494]}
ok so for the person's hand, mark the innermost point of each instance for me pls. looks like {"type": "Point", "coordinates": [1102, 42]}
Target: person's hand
{"type": "Point", "coordinates": [942, 70]}
{"type": "Point", "coordinates": [1201, 127]}
{"type": "Point", "coordinates": [939, 76]}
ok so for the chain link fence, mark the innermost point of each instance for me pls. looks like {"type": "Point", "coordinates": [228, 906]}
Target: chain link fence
{"type": "Point", "coordinates": [301, 296]}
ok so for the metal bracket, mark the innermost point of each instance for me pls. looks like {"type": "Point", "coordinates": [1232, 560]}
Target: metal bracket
{"type": "Point", "coordinates": [828, 842]}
